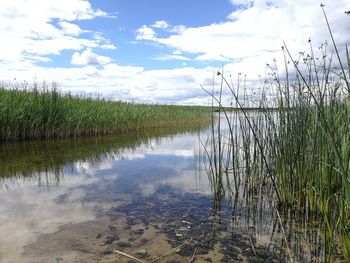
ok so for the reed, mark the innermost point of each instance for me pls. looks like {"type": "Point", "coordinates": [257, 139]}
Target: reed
{"type": "Point", "coordinates": [301, 149]}
{"type": "Point", "coordinates": [42, 113]}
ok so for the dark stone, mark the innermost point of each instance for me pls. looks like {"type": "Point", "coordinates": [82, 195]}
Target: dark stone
{"type": "Point", "coordinates": [124, 244]}
{"type": "Point", "coordinates": [139, 231]}
{"type": "Point", "coordinates": [110, 239]}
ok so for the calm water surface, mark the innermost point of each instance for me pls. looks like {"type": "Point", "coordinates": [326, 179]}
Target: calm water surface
{"type": "Point", "coordinates": [145, 194]}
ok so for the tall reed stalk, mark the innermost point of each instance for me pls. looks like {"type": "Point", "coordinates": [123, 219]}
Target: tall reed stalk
{"type": "Point", "coordinates": [301, 148]}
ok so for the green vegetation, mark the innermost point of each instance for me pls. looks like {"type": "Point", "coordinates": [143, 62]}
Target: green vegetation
{"type": "Point", "coordinates": [45, 113]}
{"type": "Point", "coordinates": [300, 151]}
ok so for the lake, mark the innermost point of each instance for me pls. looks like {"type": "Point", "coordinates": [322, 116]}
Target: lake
{"type": "Point", "coordinates": [147, 194]}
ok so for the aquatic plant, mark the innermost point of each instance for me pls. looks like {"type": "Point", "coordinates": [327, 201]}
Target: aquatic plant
{"type": "Point", "coordinates": [42, 112]}
{"type": "Point", "coordinates": [301, 148]}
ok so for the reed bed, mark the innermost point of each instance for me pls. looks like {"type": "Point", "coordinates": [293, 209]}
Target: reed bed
{"type": "Point", "coordinates": [300, 150]}
{"type": "Point", "coordinates": [43, 113]}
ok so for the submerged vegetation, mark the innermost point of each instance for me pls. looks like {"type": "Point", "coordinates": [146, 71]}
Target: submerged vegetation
{"type": "Point", "coordinates": [299, 153]}
{"type": "Point", "coordinates": [42, 113]}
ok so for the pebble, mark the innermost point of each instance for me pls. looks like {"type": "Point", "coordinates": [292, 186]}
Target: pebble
{"type": "Point", "coordinates": [139, 231]}
{"type": "Point", "coordinates": [110, 239]}
{"type": "Point", "coordinates": [123, 244]}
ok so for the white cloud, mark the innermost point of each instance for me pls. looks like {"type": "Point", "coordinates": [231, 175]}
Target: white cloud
{"type": "Point", "coordinates": [148, 32]}
{"type": "Point", "coordinates": [170, 86]}
{"type": "Point", "coordinates": [64, 9]}
{"type": "Point", "coordinates": [108, 46]}
{"type": "Point", "coordinates": [117, 71]}
{"type": "Point", "coordinates": [177, 29]}
{"type": "Point", "coordinates": [87, 57]}
{"type": "Point", "coordinates": [250, 37]}
{"type": "Point", "coordinates": [160, 24]}
{"type": "Point", "coordinates": [70, 29]}
{"type": "Point", "coordinates": [171, 57]}
{"type": "Point", "coordinates": [27, 28]}
{"type": "Point", "coordinates": [118, 82]}
{"type": "Point", "coordinates": [257, 30]}
{"type": "Point", "coordinates": [145, 33]}
{"type": "Point", "coordinates": [211, 57]}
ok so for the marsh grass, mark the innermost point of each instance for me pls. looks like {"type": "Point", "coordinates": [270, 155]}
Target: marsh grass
{"type": "Point", "coordinates": [42, 113]}
{"type": "Point", "coordinates": [301, 149]}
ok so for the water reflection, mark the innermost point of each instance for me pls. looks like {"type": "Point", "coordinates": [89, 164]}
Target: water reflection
{"type": "Point", "coordinates": [47, 185]}
{"type": "Point", "coordinates": [147, 194]}
{"type": "Point", "coordinates": [43, 161]}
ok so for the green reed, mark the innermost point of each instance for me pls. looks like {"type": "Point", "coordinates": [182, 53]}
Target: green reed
{"type": "Point", "coordinates": [42, 112]}
{"type": "Point", "coordinates": [301, 148]}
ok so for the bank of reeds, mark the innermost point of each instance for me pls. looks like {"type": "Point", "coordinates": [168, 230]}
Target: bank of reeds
{"type": "Point", "coordinates": [301, 149]}
{"type": "Point", "coordinates": [42, 113]}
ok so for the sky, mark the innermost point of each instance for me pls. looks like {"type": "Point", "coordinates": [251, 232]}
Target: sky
{"type": "Point", "coordinates": [157, 51]}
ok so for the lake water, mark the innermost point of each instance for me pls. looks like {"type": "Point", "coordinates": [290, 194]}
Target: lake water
{"type": "Point", "coordinates": [145, 194]}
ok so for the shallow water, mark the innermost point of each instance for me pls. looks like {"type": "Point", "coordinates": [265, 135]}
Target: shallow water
{"type": "Point", "coordinates": [145, 194]}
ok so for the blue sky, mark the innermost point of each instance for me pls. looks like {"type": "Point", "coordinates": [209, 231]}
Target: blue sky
{"type": "Point", "coordinates": [156, 51]}
{"type": "Point", "coordinates": [128, 16]}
